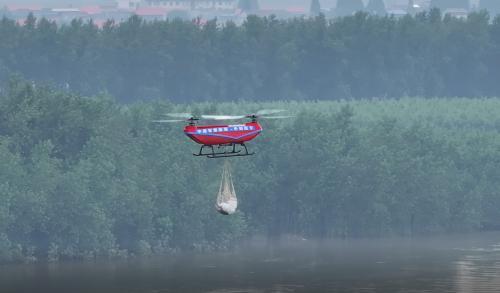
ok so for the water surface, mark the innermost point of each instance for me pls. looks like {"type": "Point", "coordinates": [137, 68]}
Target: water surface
{"type": "Point", "coordinates": [468, 263]}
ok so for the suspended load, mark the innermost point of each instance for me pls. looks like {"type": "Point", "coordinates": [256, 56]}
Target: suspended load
{"type": "Point", "coordinates": [226, 198]}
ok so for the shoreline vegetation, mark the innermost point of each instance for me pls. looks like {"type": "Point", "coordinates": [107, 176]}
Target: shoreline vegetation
{"type": "Point", "coordinates": [89, 177]}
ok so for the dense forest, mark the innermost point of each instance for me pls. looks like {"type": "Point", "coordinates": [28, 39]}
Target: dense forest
{"type": "Point", "coordinates": [360, 56]}
{"type": "Point", "coordinates": [85, 177]}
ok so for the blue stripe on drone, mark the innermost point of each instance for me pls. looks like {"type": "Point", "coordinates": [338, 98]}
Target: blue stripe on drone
{"type": "Point", "coordinates": [225, 136]}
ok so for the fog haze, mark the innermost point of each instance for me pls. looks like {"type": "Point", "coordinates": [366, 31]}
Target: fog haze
{"type": "Point", "coordinates": [263, 3]}
{"type": "Point", "coordinates": [375, 142]}
{"type": "Point", "coordinates": [439, 264]}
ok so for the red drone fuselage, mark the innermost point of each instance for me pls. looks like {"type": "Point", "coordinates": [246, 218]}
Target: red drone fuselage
{"type": "Point", "coordinates": [223, 134]}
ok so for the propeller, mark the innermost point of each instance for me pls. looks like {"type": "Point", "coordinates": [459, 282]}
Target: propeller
{"type": "Point", "coordinates": [168, 121]}
{"type": "Point", "coordinates": [268, 112]}
{"type": "Point", "coordinates": [188, 117]}
{"type": "Point", "coordinates": [222, 117]}
{"type": "Point", "coordinates": [276, 117]}
{"type": "Point", "coordinates": [182, 117]}
{"type": "Point", "coordinates": [263, 114]}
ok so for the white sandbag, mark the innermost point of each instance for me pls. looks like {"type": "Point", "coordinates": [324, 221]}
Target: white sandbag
{"type": "Point", "coordinates": [227, 203]}
{"type": "Point", "coordinates": [228, 208]}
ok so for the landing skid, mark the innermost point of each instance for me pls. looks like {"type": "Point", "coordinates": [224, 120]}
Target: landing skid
{"type": "Point", "coordinates": [215, 151]}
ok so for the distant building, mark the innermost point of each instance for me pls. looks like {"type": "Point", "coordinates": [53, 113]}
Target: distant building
{"type": "Point", "coordinates": [65, 15]}
{"type": "Point", "coordinates": [456, 12]}
{"type": "Point", "coordinates": [167, 4]}
{"type": "Point", "coordinates": [121, 10]}
{"type": "Point", "coordinates": [178, 4]}
{"type": "Point", "coordinates": [117, 15]}
{"type": "Point", "coordinates": [151, 13]}
{"type": "Point", "coordinates": [423, 3]}
{"type": "Point", "coordinates": [193, 4]}
{"type": "Point", "coordinates": [128, 4]}
{"type": "Point", "coordinates": [20, 12]}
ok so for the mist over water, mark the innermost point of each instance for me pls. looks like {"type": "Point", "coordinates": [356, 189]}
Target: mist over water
{"type": "Point", "coordinates": [468, 263]}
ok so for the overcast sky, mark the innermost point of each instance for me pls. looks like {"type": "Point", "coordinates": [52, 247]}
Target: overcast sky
{"type": "Point", "coordinates": [263, 3]}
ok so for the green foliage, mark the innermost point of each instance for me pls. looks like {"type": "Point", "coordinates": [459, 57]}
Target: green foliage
{"type": "Point", "coordinates": [358, 56]}
{"type": "Point", "coordinates": [88, 178]}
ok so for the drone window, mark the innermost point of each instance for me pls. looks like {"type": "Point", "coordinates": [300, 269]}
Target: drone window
{"type": "Point", "coordinates": [198, 131]}
{"type": "Point", "coordinates": [209, 130]}
{"type": "Point", "coordinates": [221, 129]}
{"type": "Point", "coordinates": [225, 129]}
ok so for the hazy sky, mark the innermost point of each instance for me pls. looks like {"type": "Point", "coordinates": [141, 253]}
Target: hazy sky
{"type": "Point", "coordinates": [54, 2]}
{"type": "Point", "coordinates": [263, 3]}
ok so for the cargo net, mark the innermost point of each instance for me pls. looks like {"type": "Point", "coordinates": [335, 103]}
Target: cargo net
{"type": "Point", "coordinates": [226, 198]}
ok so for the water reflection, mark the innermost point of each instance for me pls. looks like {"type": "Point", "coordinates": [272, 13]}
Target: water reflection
{"type": "Point", "coordinates": [479, 270]}
{"type": "Point", "coordinates": [437, 264]}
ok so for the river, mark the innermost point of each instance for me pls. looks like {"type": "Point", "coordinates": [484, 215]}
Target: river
{"type": "Point", "coordinates": [462, 264]}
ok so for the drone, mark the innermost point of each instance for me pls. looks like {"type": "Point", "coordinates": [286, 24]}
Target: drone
{"type": "Point", "coordinates": [222, 141]}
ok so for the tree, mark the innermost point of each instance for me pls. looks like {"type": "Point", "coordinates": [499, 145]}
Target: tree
{"type": "Point", "coordinates": [89, 177]}
{"type": "Point", "coordinates": [265, 58]}
{"type": "Point", "coordinates": [376, 7]}
{"type": "Point", "coordinates": [4, 12]}
{"type": "Point", "coordinates": [30, 22]}
{"type": "Point", "coordinates": [315, 7]}
{"type": "Point", "coordinates": [348, 7]}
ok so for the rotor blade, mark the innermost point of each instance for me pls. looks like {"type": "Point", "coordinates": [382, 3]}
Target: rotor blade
{"type": "Point", "coordinates": [276, 117]}
{"type": "Point", "coordinates": [168, 121]}
{"type": "Point", "coordinates": [180, 115]}
{"type": "Point", "coordinates": [222, 117]}
{"type": "Point", "coordinates": [269, 112]}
